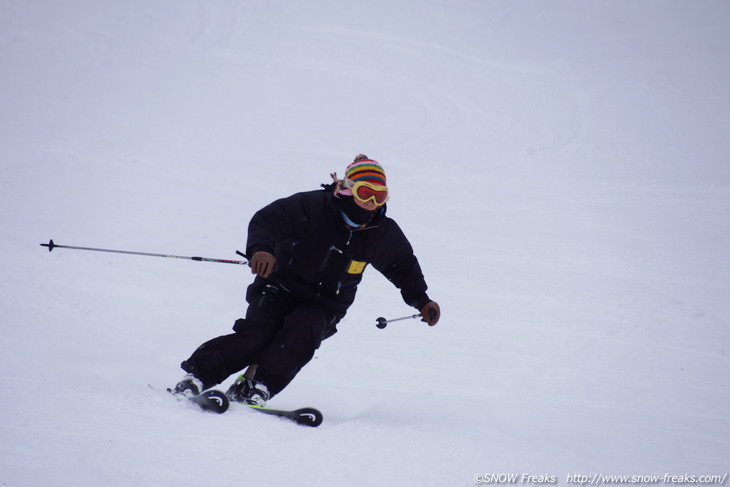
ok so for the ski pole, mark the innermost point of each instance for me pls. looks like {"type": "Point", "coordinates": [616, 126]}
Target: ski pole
{"type": "Point", "coordinates": [382, 322]}
{"type": "Point", "coordinates": [51, 245]}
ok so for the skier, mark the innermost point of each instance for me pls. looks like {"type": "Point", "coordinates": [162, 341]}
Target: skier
{"type": "Point", "coordinates": [308, 252]}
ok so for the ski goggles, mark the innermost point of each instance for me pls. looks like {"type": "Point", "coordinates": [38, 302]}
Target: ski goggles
{"type": "Point", "coordinates": [364, 192]}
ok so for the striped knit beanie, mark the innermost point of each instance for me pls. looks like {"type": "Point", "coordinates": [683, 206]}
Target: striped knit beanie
{"type": "Point", "coordinates": [365, 169]}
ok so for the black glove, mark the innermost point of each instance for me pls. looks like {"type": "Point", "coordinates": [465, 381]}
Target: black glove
{"type": "Point", "coordinates": [262, 263]}
{"type": "Point", "coordinates": [431, 313]}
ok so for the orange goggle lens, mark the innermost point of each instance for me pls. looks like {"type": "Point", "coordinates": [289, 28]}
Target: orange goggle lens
{"type": "Point", "coordinates": [365, 192]}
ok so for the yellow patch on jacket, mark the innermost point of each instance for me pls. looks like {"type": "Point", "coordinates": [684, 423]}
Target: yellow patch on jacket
{"type": "Point", "coordinates": [356, 267]}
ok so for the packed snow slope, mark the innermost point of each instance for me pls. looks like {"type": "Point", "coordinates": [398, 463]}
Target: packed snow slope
{"type": "Point", "coordinates": [560, 168]}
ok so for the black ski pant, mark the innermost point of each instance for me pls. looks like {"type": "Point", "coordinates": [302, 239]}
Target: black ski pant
{"type": "Point", "coordinates": [279, 334]}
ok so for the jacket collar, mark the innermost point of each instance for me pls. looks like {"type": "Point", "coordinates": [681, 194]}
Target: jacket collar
{"type": "Point", "coordinates": [375, 221]}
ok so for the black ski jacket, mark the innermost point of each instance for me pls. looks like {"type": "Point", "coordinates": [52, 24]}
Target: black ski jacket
{"type": "Point", "coordinates": [319, 259]}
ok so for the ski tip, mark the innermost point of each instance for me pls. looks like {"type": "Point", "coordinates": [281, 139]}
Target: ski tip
{"type": "Point", "coordinates": [310, 417]}
{"type": "Point", "coordinates": [304, 416]}
{"type": "Point", "coordinates": [213, 401]}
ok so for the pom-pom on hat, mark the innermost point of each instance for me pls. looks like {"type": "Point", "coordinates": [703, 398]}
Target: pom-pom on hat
{"type": "Point", "coordinates": [365, 169]}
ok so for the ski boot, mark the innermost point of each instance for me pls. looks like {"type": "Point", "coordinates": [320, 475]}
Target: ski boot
{"type": "Point", "coordinates": [248, 391]}
{"type": "Point", "coordinates": [189, 386]}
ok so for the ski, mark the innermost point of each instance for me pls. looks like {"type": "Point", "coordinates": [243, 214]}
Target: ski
{"type": "Point", "coordinates": [216, 401]}
{"type": "Point", "coordinates": [211, 400]}
{"type": "Point", "coordinates": [303, 416]}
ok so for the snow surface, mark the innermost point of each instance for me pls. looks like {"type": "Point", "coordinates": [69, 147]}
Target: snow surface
{"type": "Point", "coordinates": [560, 168]}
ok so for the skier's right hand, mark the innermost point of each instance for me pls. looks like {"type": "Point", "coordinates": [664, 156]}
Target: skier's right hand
{"type": "Point", "coordinates": [262, 263]}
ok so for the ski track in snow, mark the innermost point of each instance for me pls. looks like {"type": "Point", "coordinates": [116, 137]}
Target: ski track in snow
{"type": "Point", "coordinates": [559, 168]}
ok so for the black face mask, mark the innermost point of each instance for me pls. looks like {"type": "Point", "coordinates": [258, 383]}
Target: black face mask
{"type": "Point", "coordinates": [354, 212]}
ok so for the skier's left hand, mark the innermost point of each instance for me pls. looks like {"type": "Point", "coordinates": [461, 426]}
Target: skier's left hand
{"type": "Point", "coordinates": [431, 313]}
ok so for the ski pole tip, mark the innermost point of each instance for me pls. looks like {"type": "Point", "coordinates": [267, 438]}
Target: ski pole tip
{"type": "Point", "coordinates": [381, 322]}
